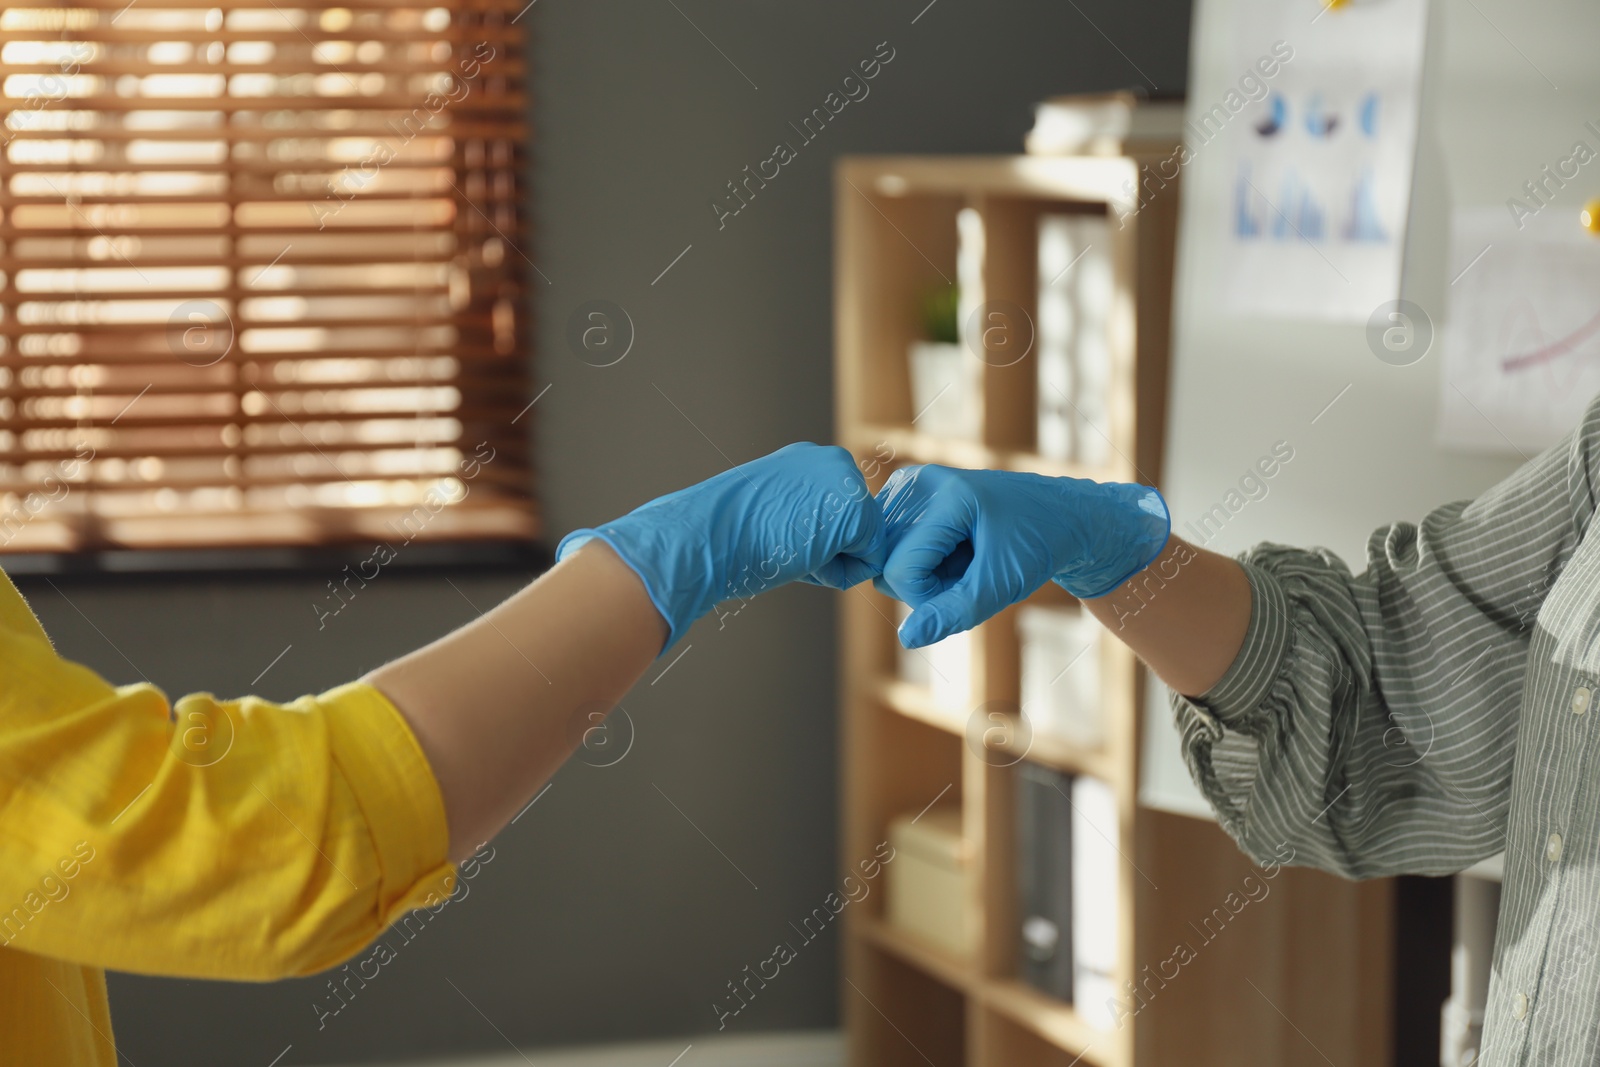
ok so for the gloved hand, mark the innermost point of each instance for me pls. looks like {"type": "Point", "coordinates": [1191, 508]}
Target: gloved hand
{"type": "Point", "coordinates": [965, 544]}
{"type": "Point", "coordinates": [805, 508]}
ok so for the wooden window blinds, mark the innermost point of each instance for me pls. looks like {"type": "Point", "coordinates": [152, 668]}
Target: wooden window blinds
{"type": "Point", "coordinates": [262, 274]}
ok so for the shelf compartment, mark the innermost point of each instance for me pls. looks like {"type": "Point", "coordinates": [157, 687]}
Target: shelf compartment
{"type": "Point", "coordinates": [908, 767]}
{"type": "Point", "coordinates": [1051, 1020]}
{"type": "Point", "coordinates": [899, 1013]}
{"type": "Point", "coordinates": [894, 251]}
{"type": "Point", "coordinates": [1019, 1025]}
{"type": "Point", "coordinates": [1057, 754]}
{"type": "Point", "coordinates": [952, 970]}
{"type": "Point", "coordinates": [1054, 1020]}
{"type": "Point", "coordinates": [915, 702]}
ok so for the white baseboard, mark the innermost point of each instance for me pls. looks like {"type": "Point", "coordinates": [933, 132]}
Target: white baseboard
{"type": "Point", "coordinates": [816, 1048]}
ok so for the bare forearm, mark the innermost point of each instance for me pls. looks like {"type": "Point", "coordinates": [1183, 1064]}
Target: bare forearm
{"type": "Point", "coordinates": [499, 704]}
{"type": "Point", "coordinates": [1185, 615]}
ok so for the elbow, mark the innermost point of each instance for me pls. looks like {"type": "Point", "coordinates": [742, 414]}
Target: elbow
{"type": "Point", "coordinates": [1273, 853]}
{"type": "Point", "coordinates": [346, 977]}
{"type": "Point", "coordinates": [338, 940]}
{"type": "Point", "coordinates": [358, 953]}
{"type": "Point", "coordinates": [301, 955]}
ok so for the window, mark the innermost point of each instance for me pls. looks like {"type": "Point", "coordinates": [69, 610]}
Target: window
{"type": "Point", "coordinates": [260, 274]}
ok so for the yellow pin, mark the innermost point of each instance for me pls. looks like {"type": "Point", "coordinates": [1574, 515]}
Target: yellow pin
{"type": "Point", "coordinates": [1590, 216]}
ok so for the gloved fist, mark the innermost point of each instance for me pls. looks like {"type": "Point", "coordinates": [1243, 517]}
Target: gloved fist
{"type": "Point", "coordinates": [803, 511]}
{"type": "Point", "coordinates": [965, 544]}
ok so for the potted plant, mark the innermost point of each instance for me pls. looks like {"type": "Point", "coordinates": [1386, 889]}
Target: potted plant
{"type": "Point", "coordinates": [946, 380]}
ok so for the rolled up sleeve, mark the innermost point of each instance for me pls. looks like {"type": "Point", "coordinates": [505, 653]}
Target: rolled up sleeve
{"type": "Point", "coordinates": [211, 838]}
{"type": "Point", "coordinates": [1369, 721]}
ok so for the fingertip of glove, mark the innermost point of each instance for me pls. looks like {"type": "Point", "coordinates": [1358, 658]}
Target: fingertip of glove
{"type": "Point", "coordinates": [907, 642]}
{"type": "Point", "coordinates": [919, 630]}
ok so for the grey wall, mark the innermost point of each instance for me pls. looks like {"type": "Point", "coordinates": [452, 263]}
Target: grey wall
{"type": "Point", "coordinates": [605, 914]}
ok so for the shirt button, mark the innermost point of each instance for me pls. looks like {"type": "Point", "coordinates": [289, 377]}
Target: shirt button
{"type": "Point", "coordinates": [1580, 700]}
{"type": "Point", "coordinates": [1552, 848]}
{"type": "Point", "coordinates": [1519, 1006]}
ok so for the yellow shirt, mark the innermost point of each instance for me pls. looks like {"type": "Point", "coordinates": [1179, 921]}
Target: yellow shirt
{"type": "Point", "coordinates": [221, 839]}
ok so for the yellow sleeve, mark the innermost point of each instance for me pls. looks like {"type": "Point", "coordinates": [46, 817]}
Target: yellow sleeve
{"type": "Point", "coordinates": [221, 839]}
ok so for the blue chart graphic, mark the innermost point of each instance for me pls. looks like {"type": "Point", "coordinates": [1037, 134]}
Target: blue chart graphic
{"type": "Point", "coordinates": [1318, 198]}
{"type": "Point", "coordinates": [1277, 116]}
{"type": "Point", "coordinates": [1364, 224]}
{"type": "Point", "coordinates": [1299, 215]}
{"type": "Point", "coordinates": [1367, 116]}
{"type": "Point", "coordinates": [1320, 122]}
{"type": "Point", "coordinates": [1246, 221]}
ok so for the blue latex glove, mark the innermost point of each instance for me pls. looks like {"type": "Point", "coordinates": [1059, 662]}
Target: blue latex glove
{"type": "Point", "coordinates": [966, 544]}
{"type": "Point", "coordinates": [805, 510]}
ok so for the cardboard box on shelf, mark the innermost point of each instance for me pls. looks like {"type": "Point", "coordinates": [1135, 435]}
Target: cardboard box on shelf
{"type": "Point", "coordinates": [930, 878]}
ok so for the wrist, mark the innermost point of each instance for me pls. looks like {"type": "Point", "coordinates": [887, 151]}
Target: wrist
{"type": "Point", "coordinates": [1117, 530]}
{"type": "Point", "coordinates": [597, 556]}
{"type": "Point", "coordinates": [652, 560]}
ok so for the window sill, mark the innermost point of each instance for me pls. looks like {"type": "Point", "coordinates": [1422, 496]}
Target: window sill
{"type": "Point", "coordinates": [277, 561]}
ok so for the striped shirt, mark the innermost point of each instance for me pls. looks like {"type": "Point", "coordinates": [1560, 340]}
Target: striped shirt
{"type": "Point", "coordinates": [1433, 711]}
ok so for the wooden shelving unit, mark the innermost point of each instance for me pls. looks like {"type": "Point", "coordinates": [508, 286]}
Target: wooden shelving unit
{"type": "Point", "coordinates": [1305, 975]}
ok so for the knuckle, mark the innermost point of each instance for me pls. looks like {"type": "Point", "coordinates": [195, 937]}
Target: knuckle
{"type": "Point", "coordinates": [901, 477]}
